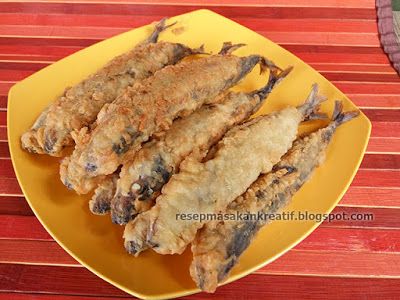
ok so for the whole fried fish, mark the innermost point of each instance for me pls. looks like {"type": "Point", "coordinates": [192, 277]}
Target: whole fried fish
{"type": "Point", "coordinates": [142, 178]}
{"type": "Point", "coordinates": [218, 245]}
{"type": "Point", "coordinates": [80, 104]}
{"type": "Point", "coordinates": [240, 157]}
{"type": "Point", "coordinates": [147, 108]}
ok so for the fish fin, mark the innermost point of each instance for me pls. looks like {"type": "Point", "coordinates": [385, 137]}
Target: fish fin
{"type": "Point", "coordinates": [228, 48]}
{"type": "Point", "coordinates": [160, 27]}
{"type": "Point", "coordinates": [316, 116]}
{"type": "Point", "coordinates": [339, 117]}
{"type": "Point", "coordinates": [312, 103]}
{"type": "Point", "coordinates": [276, 76]}
{"type": "Point", "coordinates": [199, 50]}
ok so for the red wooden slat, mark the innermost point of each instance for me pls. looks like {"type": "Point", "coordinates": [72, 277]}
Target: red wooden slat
{"type": "Point", "coordinates": [329, 241]}
{"type": "Point", "coordinates": [384, 145]}
{"type": "Point", "coordinates": [290, 3]}
{"type": "Point", "coordinates": [334, 263]}
{"type": "Point", "coordinates": [100, 33]}
{"type": "Point", "coordinates": [172, 10]}
{"type": "Point", "coordinates": [354, 240]}
{"type": "Point", "coordinates": [40, 252]}
{"type": "Point", "coordinates": [377, 178]}
{"type": "Point", "coordinates": [375, 100]}
{"type": "Point", "coordinates": [14, 205]}
{"type": "Point", "coordinates": [10, 186]}
{"type": "Point", "coordinates": [4, 151]}
{"type": "Point", "coordinates": [6, 169]}
{"type": "Point", "coordinates": [381, 161]}
{"type": "Point", "coordinates": [381, 217]}
{"type": "Point", "coordinates": [127, 21]}
{"type": "Point", "coordinates": [3, 133]}
{"type": "Point", "coordinates": [376, 197]}
{"type": "Point", "coordinates": [385, 129]}
{"type": "Point", "coordinates": [367, 77]}
{"type": "Point", "coordinates": [354, 68]}
{"type": "Point", "coordinates": [368, 88]}
{"type": "Point", "coordinates": [348, 57]}
{"type": "Point", "coordinates": [79, 281]}
{"type": "Point", "coordinates": [383, 115]}
{"type": "Point", "coordinates": [22, 227]}
{"type": "Point", "coordinates": [23, 278]}
{"type": "Point", "coordinates": [27, 296]}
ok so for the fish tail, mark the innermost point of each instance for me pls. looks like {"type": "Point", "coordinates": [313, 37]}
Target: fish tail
{"type": "Point", "coordinates": [276, 76]}
{"type": "Point", "coordinates": [228, 48]}
{"type": "Point", "coordinates": [339, 117]}
{"type": "Point", "coordinates": [310, 107]}
{"type": "Point", "coordinates": [160, 27]}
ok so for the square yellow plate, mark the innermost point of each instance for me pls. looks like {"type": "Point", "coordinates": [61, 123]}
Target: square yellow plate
{"type": "Point", "coordinates": [93, 240]}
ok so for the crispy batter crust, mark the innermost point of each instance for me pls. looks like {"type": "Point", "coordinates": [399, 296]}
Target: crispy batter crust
{"type": "Point", "coordinates": [142, 179]}
{"type": "Point", "coordinates": [147, 108]}
{"type": "Point", "coordinates": [241, 156]}
{"type": "Point", "coordinates": [80, 104]}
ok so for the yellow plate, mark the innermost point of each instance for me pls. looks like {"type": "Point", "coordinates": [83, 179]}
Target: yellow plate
{"type": "Point", "coordinates": [93, 240]}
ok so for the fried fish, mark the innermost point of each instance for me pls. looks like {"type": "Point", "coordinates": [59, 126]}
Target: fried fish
{"type": "Point", "coordinates": [218, 245]}
{"type": "Point", "coordinates": [80, 104]}
{"type": "Point", "coordinates": [245, 152]}
{"type": "Point", "coordinates": [147, 108]}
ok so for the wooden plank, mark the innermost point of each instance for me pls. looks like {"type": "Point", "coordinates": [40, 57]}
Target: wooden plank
{"type": "Point", "coordinates": [22, 227]}
{"type": "Point", "coordinates": [374, 100]}
{"type": "Point", "coordinates": [9, 186]}
{"type": "Point", "coordinates": [4, 151]}
{"type": "Point", "coordinates": [269, 11]}
{"type": "Point", "coordinates": [296, 3]}
{"type": "Point", "coordinates": [281, 37]}
{"type": "Point", "coordinates": [328, 241]}
{"type": "Point", "coordinates": [381, 161]}
{"type": "Point", "coordinates": [36, 252]}
{"type": "Point", "coordinates": [371, 197]}
{"type": "Point", "coordinates": [382, 115]}
{"type": "Point", "coordinates": [383, 145]}
{"type": "Point", "coordinates": [6, 168]}
{"type": "Point", "coordinates": [10, 205]}
{"type": "Point", "coordinates": [126, 21]}
{"type": "Point", "coordinates": [385, 129]}
{"type": "Point", "coordinates": [33, 296]}
{"type": "Point", "coordinates": [3, 133]}
{"type": "Point", "coordinates": [79, 281]}
{"type": "Point", "coordinates": [383, 218]}
{"type": "Point", "coordinates": [335, 263]}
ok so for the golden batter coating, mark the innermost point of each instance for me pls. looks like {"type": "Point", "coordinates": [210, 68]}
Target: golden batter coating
{"type": "Point", "coordinates": [241, 156]}
{"type": "Point", "coordinates": [142, 178]}
{"type": "Point", "coordinates": [80, 104]}
{"type": "Point", "coordinates": [100, 202]}
{"type": "Point", "coordinates": [147, 108]}
{"type": "Point", "coordinates": [218, 245]}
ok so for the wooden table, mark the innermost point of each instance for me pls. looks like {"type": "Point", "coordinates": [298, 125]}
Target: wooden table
{"type": "Point", "coordinates": [338, 38]}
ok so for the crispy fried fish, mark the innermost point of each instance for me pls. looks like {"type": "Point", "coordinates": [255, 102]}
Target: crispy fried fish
{"type": "Point", "coordinates": [79, 105]}
{"type": "Point", "coordinates": [218, 245]}
{"type": "Point", "coordinates": [142, 178]}
{"type": "Point", "coordinates": [240, 157]}
{"type": "Point", "coordinates": [147, 108]}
